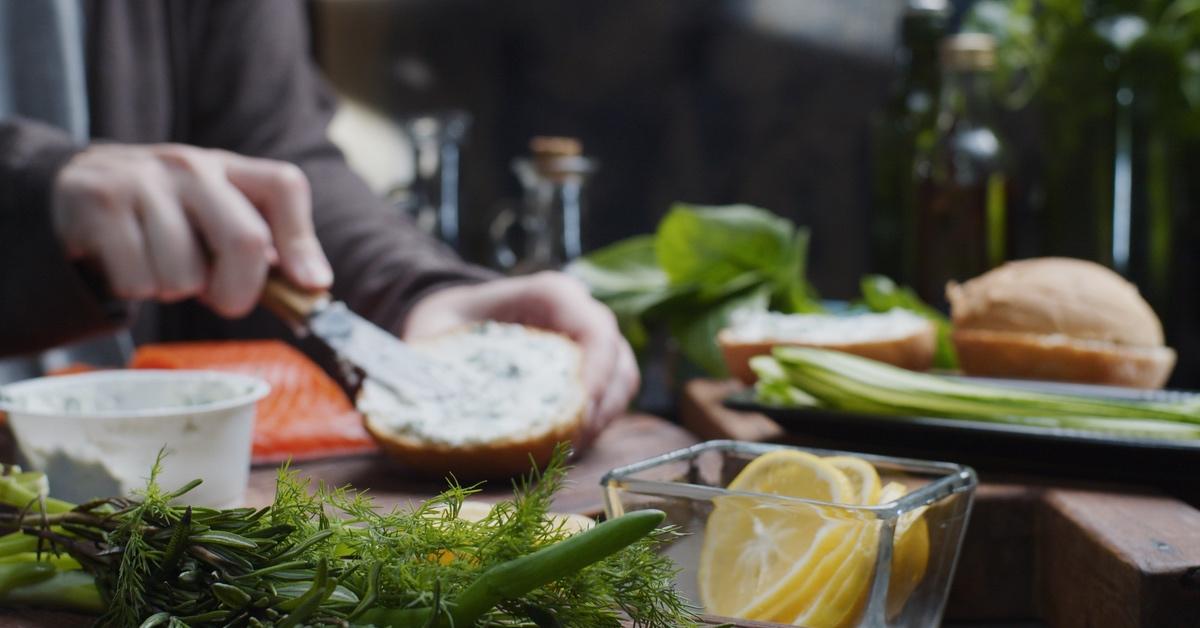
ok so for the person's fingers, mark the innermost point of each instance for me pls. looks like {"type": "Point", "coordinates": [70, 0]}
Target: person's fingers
{"type": "Point", "coordinates": [174, 254]}
{"type": "Point", "coordinates": [281, 193]}
{"type": "Point", "coordinates": [623, 385]}
{"type": "Point", "coordinates": [440, 312]}
{"type": "Point", "coordinates": [629, 374]}
{"type": "Point", "coordinates": [93, 213]}
{"type": "Point", "coordinates": [118, 243]}
{"type": "Point", "coordinates": [601, 342]}
{"type": "Point", "coordinates": [237, 237]}
{"type": "Point", "coordinates": [601, 353]}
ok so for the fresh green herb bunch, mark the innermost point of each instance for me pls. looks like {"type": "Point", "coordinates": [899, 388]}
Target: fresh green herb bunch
{"type": "Point", "coordinates": [328, 556]}
{"type": "Point", "coordinates": [701, 265]}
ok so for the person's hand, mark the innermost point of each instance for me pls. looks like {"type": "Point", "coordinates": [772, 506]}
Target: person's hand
{"type": "Point", "coordinates": [168, 222]}
{"type": "Point", "coordinates": [552, 301]}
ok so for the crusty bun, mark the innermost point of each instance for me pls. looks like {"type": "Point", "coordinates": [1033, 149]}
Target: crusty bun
{"type": "Point", "coordinates": [521, 393]}
{"type": "Point", "coordinates": [897, 337]}
{"type": "Point", "coordinates": [1059, 319]}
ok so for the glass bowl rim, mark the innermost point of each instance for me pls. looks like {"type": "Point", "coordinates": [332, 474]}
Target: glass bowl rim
{"type": "Point", "coordinates": [954, 478]}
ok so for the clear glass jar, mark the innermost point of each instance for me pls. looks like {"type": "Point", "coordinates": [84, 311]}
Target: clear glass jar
{"type": "Point", "coordinates": [689, 484]}
{"type": "Point", "coordinates": [545, 230]}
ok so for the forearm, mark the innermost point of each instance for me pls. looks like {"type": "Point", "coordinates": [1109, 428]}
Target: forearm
{"type": "Point", "coordinates": [44, 300]}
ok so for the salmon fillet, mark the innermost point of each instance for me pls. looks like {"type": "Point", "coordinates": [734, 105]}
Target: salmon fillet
{"type": "Point", "coordinates": [306, 415]}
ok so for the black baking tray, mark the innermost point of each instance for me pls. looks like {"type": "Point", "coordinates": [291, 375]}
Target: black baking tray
{"type": "Point", "coordinates": [1169, 464]}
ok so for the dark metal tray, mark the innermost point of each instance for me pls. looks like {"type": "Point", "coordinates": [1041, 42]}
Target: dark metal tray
{"type": "Point", "coordinates": [1001, 446]}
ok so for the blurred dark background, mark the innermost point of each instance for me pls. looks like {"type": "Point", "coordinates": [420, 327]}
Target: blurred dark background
{"type": "Point", "coordinates": [707, 101]}
{"type": "Point", "coordinates": [766, 102]}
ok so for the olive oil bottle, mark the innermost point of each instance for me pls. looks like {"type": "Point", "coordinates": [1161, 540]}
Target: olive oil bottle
{"type": "Point", "coordinates": [907, 119]}
{"type": "Point", "coordinates": [960, 178]}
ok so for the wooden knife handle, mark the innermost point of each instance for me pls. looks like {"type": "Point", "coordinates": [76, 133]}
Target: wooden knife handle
{"type": "Point", "coordinates": [293, 305]}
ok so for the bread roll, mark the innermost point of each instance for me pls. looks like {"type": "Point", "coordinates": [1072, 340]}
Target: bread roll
{"type": "Point", "coordinates": [897, 337]}
{"type": "Point", "coordinates": [520, 393]}
{"type": "Point", "coordinates": [1058, 319]}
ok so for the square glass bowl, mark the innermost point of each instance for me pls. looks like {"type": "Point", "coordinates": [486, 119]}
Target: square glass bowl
{"type": "Point", "coordinates": [798, 561]}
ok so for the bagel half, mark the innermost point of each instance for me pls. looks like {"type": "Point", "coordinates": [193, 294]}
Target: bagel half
{"type": "Point", "coordinates": [897, 337]}
{"type": "Point", "coordinates": [519, 392]}
{"type": "Point", "coordinates": [1059, 319]}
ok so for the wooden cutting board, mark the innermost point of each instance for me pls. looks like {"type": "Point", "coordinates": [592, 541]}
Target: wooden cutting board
{"type": "Point", "coordinates": [1066, 553]}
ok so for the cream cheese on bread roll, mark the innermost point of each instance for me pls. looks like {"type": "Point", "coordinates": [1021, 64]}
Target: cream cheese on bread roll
{"type": "Point", "coordinates": [898, 337]}
{"type": "Point", "coordinates": [518, 392]}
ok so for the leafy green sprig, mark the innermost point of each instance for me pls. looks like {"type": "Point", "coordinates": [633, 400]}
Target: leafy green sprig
{"type": "Point", "coordinates": [701, 265]}
{"type": "Point", "coordinates": [328, 556]}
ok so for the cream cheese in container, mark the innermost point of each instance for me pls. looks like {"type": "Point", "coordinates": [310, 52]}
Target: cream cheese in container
{"type": "Point", "coordinates": [98, 434]}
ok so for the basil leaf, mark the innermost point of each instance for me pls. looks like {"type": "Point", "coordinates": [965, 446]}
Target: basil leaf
{"type": "Point", "coordinates": [633, 309]}
{"type": "Point", "coordinates": [696, 332]}
{"type": "Point", "coordinates": [628, 266]}
{"type": "Point", "coordinates": [714, 245]}
{"type": "Point", "coordinates": [792, 292]}
{"type": "Point", "coordinates": [881, 294]}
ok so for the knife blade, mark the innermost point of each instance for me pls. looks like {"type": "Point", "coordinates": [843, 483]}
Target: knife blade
{"type": "Point", "coordinates": [384, 358]}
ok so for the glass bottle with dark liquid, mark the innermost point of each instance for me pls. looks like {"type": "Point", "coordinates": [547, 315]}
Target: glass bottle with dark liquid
{"type": "Point", "coordinates": [908, 118]}
{"type": "Point", "coordinates": [960, 179]}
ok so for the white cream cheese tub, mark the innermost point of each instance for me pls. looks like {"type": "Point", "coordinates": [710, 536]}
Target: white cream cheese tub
{"type": "Point", "coordinates": [98, 434]}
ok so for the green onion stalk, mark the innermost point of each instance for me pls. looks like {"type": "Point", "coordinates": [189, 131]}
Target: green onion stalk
{"type": "Point", "coordinates": [794, 376]}
{"type": "Point", "coordinates": [329, 556]}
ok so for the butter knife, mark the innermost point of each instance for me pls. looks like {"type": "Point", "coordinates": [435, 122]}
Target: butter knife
{"type": "Point", "coordinates": [384, 358]}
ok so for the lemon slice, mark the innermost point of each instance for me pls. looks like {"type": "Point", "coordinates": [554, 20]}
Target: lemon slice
{"type": "Point", "coordinates": [843, 599]}
{"type": "Point", "coordinates": [862, 475]}
{"type": "Point", "coordinates": [831, 548]}
{"type": "Point", "coordinates": [910, 551]}
{"type": "Point", "coordinates": [793, 473]}
{"type": "Point", "coordinates": [752, 547]}
{"type": "Point", "coordinates": [845, 594]}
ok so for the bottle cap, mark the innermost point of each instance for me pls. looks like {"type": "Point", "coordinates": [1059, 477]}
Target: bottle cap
{"type": "Point", "coordinates": [550, 146]}
{"type": "Point", "coordinates": [559, 158]}
{"type": "Point", "coordinates": [969, 51]}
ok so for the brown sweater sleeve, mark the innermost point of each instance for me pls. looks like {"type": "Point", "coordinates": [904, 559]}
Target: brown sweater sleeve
{"type": "Point", "coordinates": [254, 91]}
{"type": "Point", "coordinates": [44, 299]}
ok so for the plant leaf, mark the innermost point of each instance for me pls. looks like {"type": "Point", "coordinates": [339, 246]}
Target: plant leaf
{"type": "Point", "coordinates": [881, 294]}
{"type": "Point", "coordinates": [628, 266]}
{"type": "Point", "coordinates": [711, 246]}
{"type": "Point", "coordinates": [696, 331]}
{"type": "Point", "coordinates": [792, 292]}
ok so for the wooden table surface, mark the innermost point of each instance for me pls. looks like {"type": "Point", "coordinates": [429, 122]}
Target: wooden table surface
{"type": "Point", "coordinates": [1064, 552]}
{"type": "Point", "coordinates": [629, 439]}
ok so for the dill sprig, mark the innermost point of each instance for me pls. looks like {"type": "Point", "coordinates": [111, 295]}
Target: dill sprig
{"type": "Point", "coordinates": [128, 584]}
{"type": "Point", "coordinates": [322, 555]}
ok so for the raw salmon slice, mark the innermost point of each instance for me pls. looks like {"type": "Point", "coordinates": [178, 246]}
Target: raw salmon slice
{"type": "Point", "coordinates": [305, 416]}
